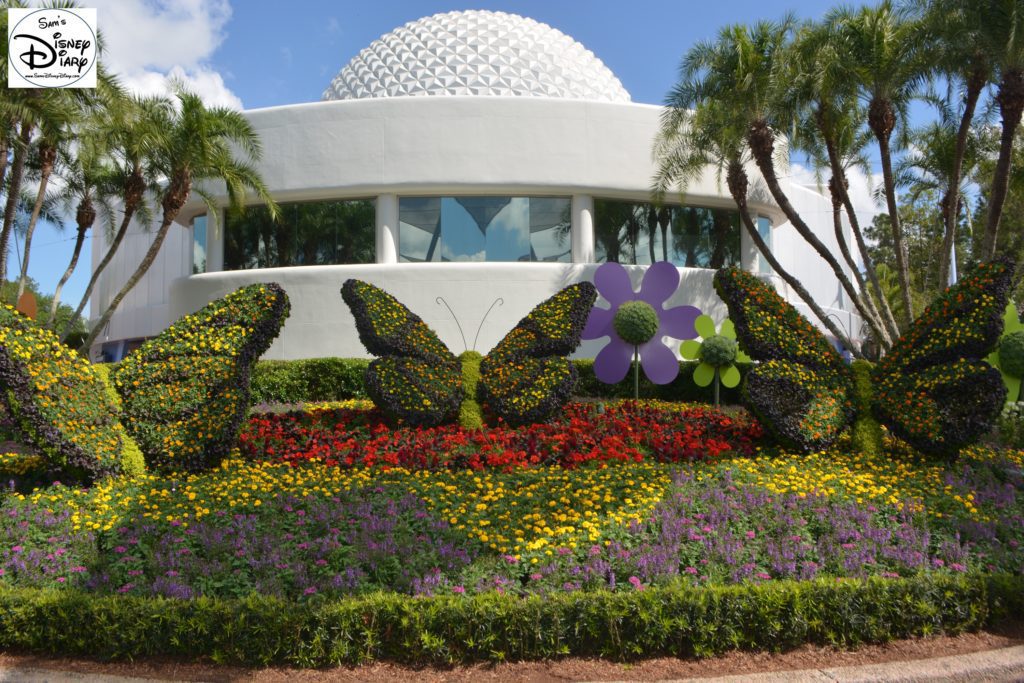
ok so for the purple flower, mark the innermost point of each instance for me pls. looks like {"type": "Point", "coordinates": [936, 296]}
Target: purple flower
{"type": "Point", "coordinates": [636, 583]}
{"type": "Point", "coordinates": [458, 589]}
{"type": "Point", "coordinates": [658, 361]}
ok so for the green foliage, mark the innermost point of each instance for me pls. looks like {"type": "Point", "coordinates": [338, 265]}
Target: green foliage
{"type": "Point", "coordinates": [308, 380]}
{"type": "Point", "coordinates": [57, 402]}
{"type": "Point", "coordinates": [470, 414]}
{"type": "Point", "coordinates": [526, 378]}
{"type": "Point", "coordinates": [1011, 425]}
{"type": "Point", "coordinates": [718, 351]}
{"type": "Point", "coordinates": [866, 433]}
{"type": "Point", "coordinates": [132, 461]}
{"type": "Point", "coordinates": [635, 322]}
{"type": "Point", "coordinates": [674, 621]}
{"type": "Point", "coordinates": [186, 391]}
{"type": "Point", "coordinates": [1011, 353]}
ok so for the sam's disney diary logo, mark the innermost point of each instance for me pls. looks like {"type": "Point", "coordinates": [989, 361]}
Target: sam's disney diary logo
{"type": "Point", "coordinates": [51, 48]}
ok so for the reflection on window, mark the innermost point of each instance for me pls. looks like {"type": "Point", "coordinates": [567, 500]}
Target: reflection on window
{"type": "Point", "coordinates": [484, 229]}
{"type": "Point", "coordinates": [764, 229]}
{"type": "Point", "coordinates": [199, 244]}
{"type": "Point", "coordinates": [306, 234]}
{"type": "Point", "coordinates": [640, 233]}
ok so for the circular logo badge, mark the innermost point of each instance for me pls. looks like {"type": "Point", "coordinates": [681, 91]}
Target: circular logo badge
{"type": "Point", "coordinates": [52, 48]}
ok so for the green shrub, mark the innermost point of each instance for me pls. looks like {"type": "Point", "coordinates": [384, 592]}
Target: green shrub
{"type": "Point", "coordinates": [675, 621]}
{"type": "Point", "coordinates": [186, 391]}
{"type": "Point", "coordinates": [308, 380]}
{"type": "Point", "coordinates": [57, 402]}
{"type": "Point", "coordinates": [1011, 354]}
{"type": "Point", "coordinates": [866, 433]}
{"type": "Point", "coordinates": [132, 461]}
{"type": "Point", "coordinates": [1011, 425]}
{"type": "Point", "coordinates": [682, 388]}
{"type": "Point", "coordinates": [636, 322]}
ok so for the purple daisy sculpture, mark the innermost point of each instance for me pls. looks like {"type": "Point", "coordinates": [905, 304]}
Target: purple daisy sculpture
{"type": "Point", "coordinates": [636, 323]}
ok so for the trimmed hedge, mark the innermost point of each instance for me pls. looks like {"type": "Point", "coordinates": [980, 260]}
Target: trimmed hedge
{"type": "Point", "coordinates": [133, 463]}
{"type": "Point", "coordinates": [340, 379]}
{"type": "Point", "coordinates": [675, 621]}
{"type": "Point", "coordinates": [57, 402]}
{"type": "Point", "coordinates": [186, 391]}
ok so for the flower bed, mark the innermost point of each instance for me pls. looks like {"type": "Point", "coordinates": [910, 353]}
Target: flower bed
{"type": "Point", "coordinates": [628, 431]}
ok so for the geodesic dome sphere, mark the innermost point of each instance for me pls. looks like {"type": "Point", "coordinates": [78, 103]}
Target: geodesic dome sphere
{"type": "Point", "coordinates": [476, 52]}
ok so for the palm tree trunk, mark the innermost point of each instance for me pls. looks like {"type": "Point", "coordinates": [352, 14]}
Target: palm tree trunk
{"type": "Point", "coordinates": [759, 138]}
{"type": "Point", "coordinates": [47, 156]}
{"type": "Point", "coordinates": [838, 172]}
{"type": "Point", "coordinates": [13, 192]}
{"type": "Point", "coordinates": [1011, 105]}
{"type": "Point", "coordinates": [837, 223]}
{"type": "Point", "coordinates": [147, 261]}
{"type": "Point", "coordinates": [950, 202]}
{"type": "Point", "coordinates": [114, 246]}
{"type": "Point", "coordinates": [79, 241]}
{"type": "Point", "coordinates": [738, 183]}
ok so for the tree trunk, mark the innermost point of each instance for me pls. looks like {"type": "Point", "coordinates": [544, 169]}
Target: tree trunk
{"type": "Point", "coordinates": [950, 202]}
{"type": "Point", "coordinates": [175, 196]}
{"type": "Point", "coordinates": [759, 138]}
{"type": "Point", "coordinates": [738, 184]}
{"type": "Point", "coordinates": [84, 217]}
{"type": "Point", "coordinates": [134, 189]}
{"type": "Point", "coordinates": [1011, 104]}
{"type": "Point", "coordinates": [13, 192]}
{"type": "Point", "coordinates": [47, 156]}
{"type": "Point", "coordinates": [837, 223]}
{"type": "Point", "coordinates": [882, 121]}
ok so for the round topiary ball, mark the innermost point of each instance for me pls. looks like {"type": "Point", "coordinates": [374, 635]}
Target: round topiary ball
{"type": "Point", "coordinates": [636, 322]}
{"type": "Point", "coordinates": [1011, 354]}
{"type": "Point", "coordinates": [718, 351]}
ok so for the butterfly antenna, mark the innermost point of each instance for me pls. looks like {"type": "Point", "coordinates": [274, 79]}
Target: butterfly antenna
{"type": "Point", "coordinates": [440, 300]}
{"type": "Point", "coordinates": [497, 302]}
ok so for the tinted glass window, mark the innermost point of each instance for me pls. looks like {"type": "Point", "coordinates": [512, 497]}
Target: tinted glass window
{"type": "Point", "coordinates": [306, 234]}
{"type": "Point", "coordinates": [640, 233]}
{"type": "Point", "coordinates": [453, 229]}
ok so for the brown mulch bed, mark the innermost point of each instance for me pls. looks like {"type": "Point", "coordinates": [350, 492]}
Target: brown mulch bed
{"type": "Point", "coordinates": [569, 669]}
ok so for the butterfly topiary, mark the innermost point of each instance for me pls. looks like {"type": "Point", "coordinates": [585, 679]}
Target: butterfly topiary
{"type": "Point", "coordinates": [418, 380]}
{"type": "Point", "coordinates": [932, 389]}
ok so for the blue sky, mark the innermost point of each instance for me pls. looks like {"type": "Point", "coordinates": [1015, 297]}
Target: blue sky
{"type": "Point", "coordinates": [258, 53]}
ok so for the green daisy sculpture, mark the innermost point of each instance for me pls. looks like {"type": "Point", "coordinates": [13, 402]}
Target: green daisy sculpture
{"type": "Point", "coordinates": [717, 352]}
{"type": "Point", "coordinates": [1008, 357]}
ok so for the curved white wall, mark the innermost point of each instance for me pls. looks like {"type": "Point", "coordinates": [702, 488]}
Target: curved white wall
{"type": "Point", "coordinates": [390, 147]}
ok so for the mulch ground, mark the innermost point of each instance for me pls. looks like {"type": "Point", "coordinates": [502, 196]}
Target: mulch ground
{"type": "Point", "coordinates": [569, 669]}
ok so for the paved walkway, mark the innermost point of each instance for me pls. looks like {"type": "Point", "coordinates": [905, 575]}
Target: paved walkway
{"type": "Point", "coordinates": [1003, 665]}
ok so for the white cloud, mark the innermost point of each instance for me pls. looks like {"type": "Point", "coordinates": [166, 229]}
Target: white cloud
{"type": "Point", "coordinates": [151, 44]}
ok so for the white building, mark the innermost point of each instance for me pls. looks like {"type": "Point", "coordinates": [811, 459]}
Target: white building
{"type": "Point", "coordinates": [470, 161]}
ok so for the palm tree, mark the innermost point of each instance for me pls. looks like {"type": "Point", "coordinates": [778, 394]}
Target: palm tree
{"type": "Point", "coordinates": [56, 129]}
{"type": "Point", "coordinates": [86, 180]}
{"type": "Point", "coordinates": [882, 58]}
{"type": "Point", "coordinates": [741, 70]}
{"type": "Point", "coordinates": [698, 133]}
{"type": "Point", "coordinates": [196, 145]}
{"type": "Point", "coordinates": [831, 130]}
{"type": "Point", "coordinates": [953, 32]}
{"type": "Point", "coordinates": [132, 126]}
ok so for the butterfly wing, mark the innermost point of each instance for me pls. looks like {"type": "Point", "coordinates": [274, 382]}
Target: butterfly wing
{"type": "Point", "coordinates": [527, 377]}
{"type": "Point", "coordinates": [186, 391]}
{"type": "Point", "coordinates": [932, 388]}
{"type": "Point", "coordinates": [416, 378]}
{"type": "Point", "coordinates": [57, 401]}
{"type": "Point", "coordinates": [802, 388]}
